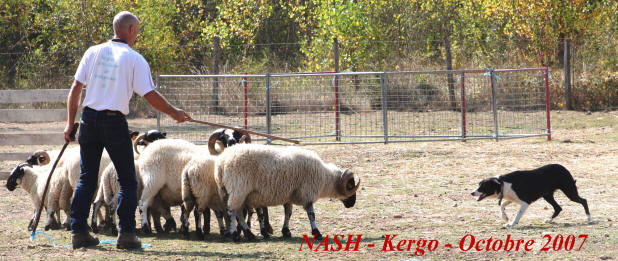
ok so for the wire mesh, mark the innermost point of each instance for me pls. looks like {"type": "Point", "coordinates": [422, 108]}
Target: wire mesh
{"type": "Point", "coordinates": [320, 108]}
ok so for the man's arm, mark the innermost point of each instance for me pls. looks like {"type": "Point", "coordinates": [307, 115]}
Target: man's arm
{"type": "Point", "coordinates": [73, 100]}
{"type": "Point", "coordinates": [160, 103]}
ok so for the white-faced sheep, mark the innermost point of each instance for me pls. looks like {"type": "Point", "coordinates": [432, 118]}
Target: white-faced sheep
{"type": "Point", "coordinates": [33, 179]}
{"type": "Point", "coordinates": [259, 176]}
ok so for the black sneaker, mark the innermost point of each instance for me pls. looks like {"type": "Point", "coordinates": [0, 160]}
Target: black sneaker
{"type": "Point", "coordinates": [83, 239]}
{"type": "Point", "coordinates": [128, 241]}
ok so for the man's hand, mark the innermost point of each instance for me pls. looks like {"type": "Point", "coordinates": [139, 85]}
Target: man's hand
{"type": "Point", "coordinates": [180, 115]}
{"type": "Point", "coordinates": [67, 133]}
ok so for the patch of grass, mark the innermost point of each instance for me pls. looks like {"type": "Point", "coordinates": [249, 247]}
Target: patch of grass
{"type": "Point", "coordinates": [414, 190]}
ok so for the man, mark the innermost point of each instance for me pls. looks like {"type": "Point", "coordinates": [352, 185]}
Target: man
{"type": "Point", "coordinates": [111, 71]}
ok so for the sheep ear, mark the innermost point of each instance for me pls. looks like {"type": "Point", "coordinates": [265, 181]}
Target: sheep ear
{"type": "Point", "coordinates": [212, 140]}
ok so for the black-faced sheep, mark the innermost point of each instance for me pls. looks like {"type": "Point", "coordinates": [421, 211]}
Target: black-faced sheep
{"type": "Point", "coordinates": [32, 180]}
{"type": "Point", "coordinates": [256, 176]}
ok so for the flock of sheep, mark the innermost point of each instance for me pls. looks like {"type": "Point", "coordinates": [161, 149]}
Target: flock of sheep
{"type": "Point", "coordinates": [232, 181]}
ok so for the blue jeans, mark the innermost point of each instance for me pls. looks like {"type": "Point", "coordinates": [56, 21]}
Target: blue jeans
{"type": "Point", "coordinates": [109, 130]}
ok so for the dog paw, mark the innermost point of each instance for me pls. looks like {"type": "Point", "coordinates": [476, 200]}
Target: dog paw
{"type": "Point", "coordinates": [508, 225]}
{"type": "Point", "coordinates": [589, 219]}
{"type": "Point", "coordinates": [549, 220]}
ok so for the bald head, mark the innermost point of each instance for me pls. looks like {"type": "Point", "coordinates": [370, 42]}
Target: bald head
{"type": "Point", "coordinates": [124, 20]}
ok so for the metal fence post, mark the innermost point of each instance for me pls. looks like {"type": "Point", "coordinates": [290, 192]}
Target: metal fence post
{"type": "Point", "coordinates": [493, 102]}
{"type": "Point", "coordinates": [463, 107]}
{"type": "Point", "coordinates": [245, 85]}
{"type": "Point", "coordinates": [337, 105]}
{"type": "Point", "coordinates": [383, 87]}
{"type": "Point", "coordinates": [268, 108]}
{"type": "Point", "coordinates": [547, 103]}
{"type": "Point", "coordinates": [157, 88]}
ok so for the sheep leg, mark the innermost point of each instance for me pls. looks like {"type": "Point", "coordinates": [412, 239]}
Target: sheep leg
{"type": "Point", "coordinates": [52, 223]}
{"type": "Point", "coordinates": [206, 213]}
{"type": "Point", "coordinates": [156, 219]}
{"type": "Point", "coordinates": [238, 220]}
{"type": "Point", "coordinates": [143, 207]}
{"type": "Point", "coordinates": [267, 225]}
{"type": "Point", "coordinates": [170, 223]}
{"type": "Point", "coordinates": [263, 230]}
{"type": "Point", "coordinates": [249, 212]}
{"type": "Point", "coordinates": [314, 227]}
{"type": "Point", "coordinates": [197, 213]}
{"type": "Point", "coordinates": [96, 207]}
{"type": "Point", "coordinates": [222, 231]}
{"type": "Point", "coordinates": [184, 218]}
{"type": "Point", "coordinates": [67, 219]}
{"type": "Point", "coordinates": [287, 209]}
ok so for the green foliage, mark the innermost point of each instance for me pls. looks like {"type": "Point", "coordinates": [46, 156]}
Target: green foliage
{"type": "Point", "coordinates": [42, 40]}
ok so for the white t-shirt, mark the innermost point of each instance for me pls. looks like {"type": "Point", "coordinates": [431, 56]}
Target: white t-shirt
{"type": "Point", "coordinates": [112, 71]}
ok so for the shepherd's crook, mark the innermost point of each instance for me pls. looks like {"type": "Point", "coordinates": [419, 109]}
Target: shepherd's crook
{"type": "Point", "coordinates": [243, 130]}
{"type": "Point", "coordinates": [38, 213]}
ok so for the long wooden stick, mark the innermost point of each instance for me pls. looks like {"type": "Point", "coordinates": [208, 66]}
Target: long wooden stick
{"type": "Point", "coordinates": [38, 213]}
{"type": "Point", "coordinates": [243, 130]}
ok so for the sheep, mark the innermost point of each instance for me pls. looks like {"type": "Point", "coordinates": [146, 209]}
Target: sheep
{"type": "Point", "coordinates": [107, 196]}
{"type": "Point", "coordinates": [250, 175]}
{"type": "Point", "coordinates": [199, 188]}
{"type": "Point", "coordinates": [160, 166]}
{"type": "Point", "coordinates": [200, 191]}
{"type": "Point", "coordinates": [33, 179]}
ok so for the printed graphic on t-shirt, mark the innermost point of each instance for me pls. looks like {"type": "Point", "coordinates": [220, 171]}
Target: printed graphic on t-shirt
{"type": "Point", "coordinates": [105, 69]}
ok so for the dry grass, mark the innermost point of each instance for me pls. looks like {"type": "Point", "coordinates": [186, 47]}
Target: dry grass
{"type": "Point", "coordinates": [415, 190]}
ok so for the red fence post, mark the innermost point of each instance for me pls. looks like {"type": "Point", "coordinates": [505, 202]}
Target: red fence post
{"type": "Point", "coordinates": [547, 104]}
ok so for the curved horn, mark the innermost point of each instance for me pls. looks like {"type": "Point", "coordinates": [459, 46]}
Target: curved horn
{"type": "Point", "coordinates": [214, 137]}
{"type": "Point", "coordinates": [40, 157]}
{"type": "Point", "coordinates": [246, 138]}
{"type": "Point", "coordinates": [136, 141]}
{"type": "Point", "coordinates": [344, 187]}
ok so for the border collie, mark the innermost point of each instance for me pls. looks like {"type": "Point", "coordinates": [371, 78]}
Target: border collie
{"type": "Point", "coordinates": [526, 186]}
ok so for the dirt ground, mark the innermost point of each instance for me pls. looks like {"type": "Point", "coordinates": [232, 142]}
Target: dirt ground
{"type": "Point", "coordinates": [412, 190]}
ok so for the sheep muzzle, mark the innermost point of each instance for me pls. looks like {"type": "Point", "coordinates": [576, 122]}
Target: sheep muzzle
{"type": "Point", "coordinates": [16, 174]}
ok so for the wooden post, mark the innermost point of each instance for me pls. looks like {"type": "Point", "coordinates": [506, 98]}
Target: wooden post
{"type": "Point", "coordinates": [567, 73]}
{"type": "Point", "coordinates": [449, 67]}
{"type": "Point", "coordinates": [215, 70]}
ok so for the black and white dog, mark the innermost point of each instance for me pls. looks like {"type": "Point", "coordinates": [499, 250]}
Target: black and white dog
{"type": "Point", "coordinates": [526, 186]}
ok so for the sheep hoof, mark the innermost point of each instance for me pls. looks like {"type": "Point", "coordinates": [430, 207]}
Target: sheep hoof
{"type": "Point", "coordinates": [200, 235]}
{"type": "Point", "coordinates": [30, 225]}
{"type": "Point", "coordinates": [317, 234]}
{"type": "Point", "coordinates": [248, 235]}
{"type": "Point", "coordinates": [286, 232]}
{"type": "Point", "coordinates": [269, 229]}
{"type": "Point", "coordinates": [264, 233]}
{"type": "Point", "coordinates": [170, 224]}
{"type": "Point", "coordinates": [224, 233]}
{"type": "Point", "coordinates": [47, 227]}
{"type": "Point", "coordinates": [159, 229]}
{"type": "Point", "coordinates": [236, 236]}
{"type": "Point", "coordinates": [146, 229]}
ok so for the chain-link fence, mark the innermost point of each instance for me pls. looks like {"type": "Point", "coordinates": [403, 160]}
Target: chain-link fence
{"type": "Point", "coordinates": [364, 107]}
